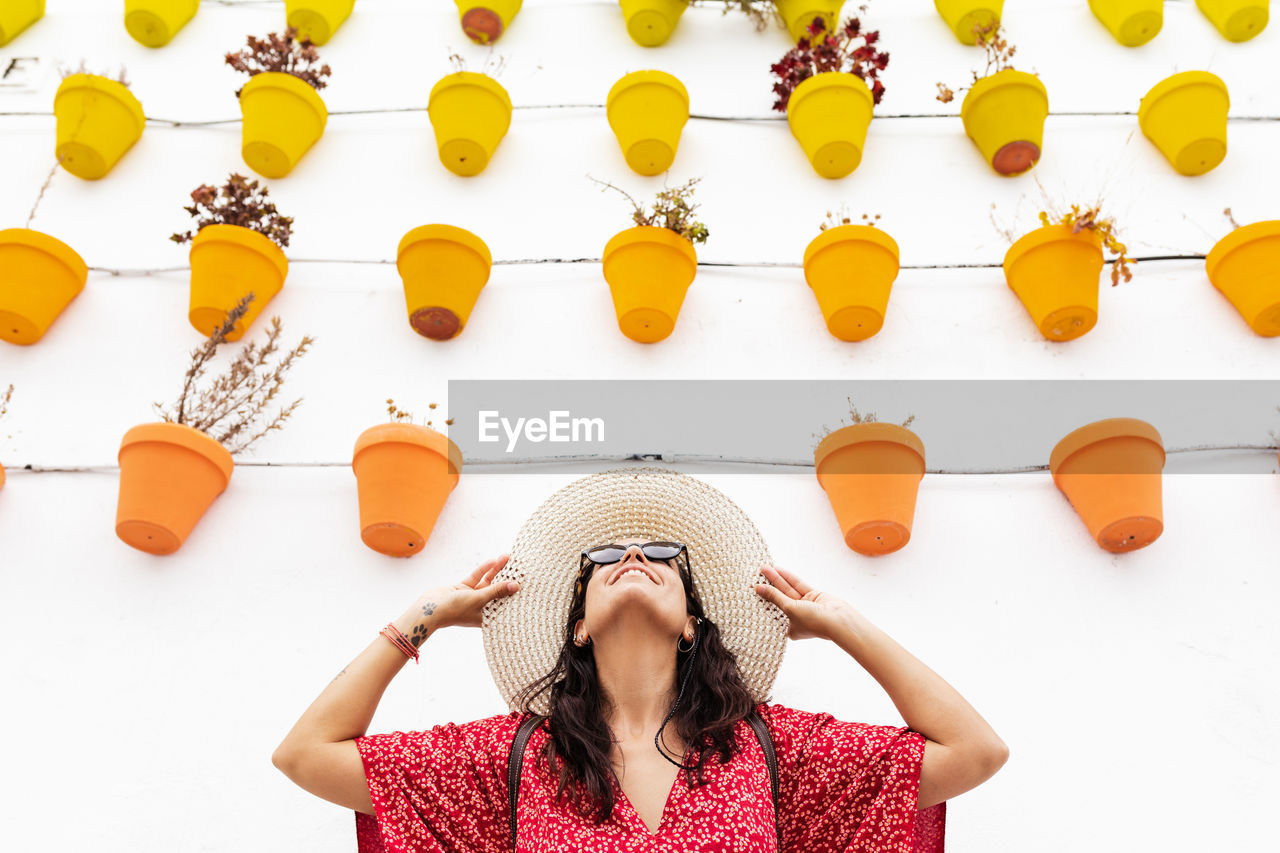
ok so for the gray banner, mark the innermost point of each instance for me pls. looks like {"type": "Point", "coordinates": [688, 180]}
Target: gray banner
{"type": "Point", "coordinates": [966, 426]}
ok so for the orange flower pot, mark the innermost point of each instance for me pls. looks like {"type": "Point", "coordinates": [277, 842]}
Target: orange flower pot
{"type": "Point", "coordinates": [649, 270]}
{"type": "Point", "coordinates": [871, 474]}
{"type": "Point", "coordinates": [1245, 266]}
{"type": "Point", "coordinates": [1, 476]}
{"type": "Point", "coordinates": [170, 475]}
{"type": "Point", "coordinates": [39, 276]}
{"type": "Point", "coordinates": [829, 114]}
{"type": "Point", "coordinates": [444, 269]}
{"type": "Point", "coordinates": [1185, 116]}
{"type": "Point", "coordinates": [404, 475]}
{"type": "Point", "coordinates": [99, 120]}
{"type": "Point", "coordinates": [1110, 471]}
{"type": "Point", "coordinates": [1055, 274]}
{"type": "Point", "coordinates": [227, 262]}
{"type": "Point", "coordinates": [851, 269]}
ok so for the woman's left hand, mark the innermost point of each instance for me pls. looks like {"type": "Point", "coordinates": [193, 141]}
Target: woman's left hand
{"type": "Point", "coordinates": [812, 613]}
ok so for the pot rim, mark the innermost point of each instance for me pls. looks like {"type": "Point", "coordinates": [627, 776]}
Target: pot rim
{"type": "Point", "coordinates": [1001, 80]}
{"type": "Point", "coordinates": [648, 76]}
{"type": "Point", "coordinates": [113, 88]}
{"type": "Point", "coordinates": [412, 434]}
{"type": "Point", "coordinates": [866, 433]}
{"type": "Point", "coordinates": [51, 246]}
{"type": "Point", "coordinates": [470, 78]}
{"type": "Point", "coordinates": [828, 80]}
{"type": "Point", "coordinates": [447, 233]}
{"type": "Point", "coordinates": [246, 237]}
{"type": "Point", "coordinates": [1237, 239]}
{"type": "Point", "coordinates": [291, 83]}
{"type": "Point", "coordinates": [851, 233]}
{"type": "Point", "coordinates": [651, 234]}
{"type": "Point", "coordinates": [1084, 437]}
{"type": "Point", "coordinates": [1046, 234]}
{"type": "Point", "coordinates": [1171, 84]}
{"type": "Point", "coordinates": [184, 436]}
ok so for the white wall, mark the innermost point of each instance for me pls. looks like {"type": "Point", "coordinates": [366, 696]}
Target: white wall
{"type": "Point", "coordinates": [1137, 692]}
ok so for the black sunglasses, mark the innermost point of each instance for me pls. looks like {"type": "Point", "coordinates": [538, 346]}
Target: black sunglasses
{"type": "Point", "coordinates": [605, 555]}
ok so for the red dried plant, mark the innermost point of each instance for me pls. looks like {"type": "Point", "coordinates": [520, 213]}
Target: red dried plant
{"type": "Point", "coordinates": [237, 202]}
{"type": "Point", "coordinates": [822, 51]}
{"type": "Point", "coordinates": [280, 52]}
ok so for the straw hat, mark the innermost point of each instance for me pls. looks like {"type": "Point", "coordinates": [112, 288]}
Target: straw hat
{"type": "Point", "coordinates": [523, 633]}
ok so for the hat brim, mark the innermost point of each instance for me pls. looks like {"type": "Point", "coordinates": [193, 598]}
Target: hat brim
{"type": "Point", "coordinates": [524, 633]}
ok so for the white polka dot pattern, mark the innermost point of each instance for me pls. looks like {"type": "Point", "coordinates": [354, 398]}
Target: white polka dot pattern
{"type": "Point", "coordinates": [845, 788]}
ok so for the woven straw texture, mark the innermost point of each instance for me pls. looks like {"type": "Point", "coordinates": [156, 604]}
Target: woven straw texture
{"type": "Point", "coordinates": [524, 632]}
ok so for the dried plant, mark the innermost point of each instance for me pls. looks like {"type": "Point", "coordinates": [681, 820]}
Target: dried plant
{"type": "Point", "coordinates": [1090, 219]}
{"type": "Point", "coordinates": [1226, 211]}
{"type": "Point", "coordinates": [400, 416]}
{"type": "Point", "coordinates": [280, 52]}
{"type": "Point", "coordinates": [672, 209]}
{"type": "Point", "coordinates": [822, 51]}
{"type": "Point", "coordinates": [999, 52]}
{"type": "Point", "coordinates": [762, 13]}
{"type": "Point", "coordinates": [855, 417]}
{"type": "Point", "coordinates": [841, 216]}
{"type": "Point", "coordinates": [120, 77]}
{"type": "Point", "coordinates": [4, 401]}
{"type": "Point", "coordinates": [494, 64]}
{"type": "Point", "coordinates": [237, 202]}
{"type": "Point", "coordinates": [233, 404]}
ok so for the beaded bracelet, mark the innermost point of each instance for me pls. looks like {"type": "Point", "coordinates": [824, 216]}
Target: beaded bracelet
{"type": "Point", "coordinates": [400, 641]}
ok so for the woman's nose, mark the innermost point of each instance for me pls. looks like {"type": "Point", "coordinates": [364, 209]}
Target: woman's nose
{"type": "Point", "coordinates": [626, 555]}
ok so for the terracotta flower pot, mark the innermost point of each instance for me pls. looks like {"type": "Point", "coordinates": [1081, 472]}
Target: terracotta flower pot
{"type": "Point", "coordinates": [1055, 274]}
{"type": "Point", "coordinates": [651, 22]}
{"type": "Point", "coordinates": [170, 475]}
{"type": "Point", "coordinates": [39, 276]}
{"type": "Point", "coordinates": [647, 111]}
{"type": "Point", "coordinates": [1110, 471]}
{"type": "Point", "coordinates": [1245, 266]}
{"type": "Point", "coordinates": [228, 262]}
{"type": "Point", "coordinates": [317, 20]}
{"type": "Point", "coordinates": [1237, 20]}
{"type": "Point", "coordinates": [444, 269]}
{"type": "Point", "coordinates": [871, 474]}
{"type": "Point", "coordinates": [851, 269]}
{"type": "Point", "coordinates": [470, 114]}
{"type": "Point", "coordinates": [829, 113]}
{"type": "Point", "coordinates": [1, 476]}
{"type": "Point", "coordinates": [16, 16]}
{"type": "Point", "coordinates": [1132, 22]}
{"type": "Point", "coordinates": [485, 20]}
{"type": "Point", "coordinates": [99, 119]}
{"type": "Point", "coordinates": [154, 23]}
{"type": "Point", "coordinates": [1186, 117]}
{"type": "Point", "coordinates": [404, 475]}
{"type": "Point", "coordinates": [649, 270]}
{"type": "Point", "coordinates": [283, 117]}
{"type": "Point", "coordinates": [1004, 115]}
{"type": "Point", "coordinates": [965, 17]}
{"type": "Point", "coordinates": [800, 13]}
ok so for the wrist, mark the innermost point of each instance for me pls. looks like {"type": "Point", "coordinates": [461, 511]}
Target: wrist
{"type": "Point", "coordinates": [418, 622]}
{"type": "Point", "coordinates": [849, 630]}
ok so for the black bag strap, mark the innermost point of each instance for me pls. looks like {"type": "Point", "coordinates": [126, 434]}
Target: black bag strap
{"type": "Point", "coordinates": [515, 764]}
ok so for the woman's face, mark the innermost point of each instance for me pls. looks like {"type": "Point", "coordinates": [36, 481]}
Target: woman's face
{"type": "Point", "coordinates": [636, 588]}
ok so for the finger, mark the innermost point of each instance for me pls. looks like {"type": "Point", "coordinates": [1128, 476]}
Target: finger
{"type": "Point", "coordinates": [500, 590]}
{"type": "Point", "coordinates": [776, 579]}
{"type": "Point", "coordinates": [485, 572]}
{"type": "Point", "coordinates": [773, 596]}
{"type": "Point", "coordinates": [798, 585]}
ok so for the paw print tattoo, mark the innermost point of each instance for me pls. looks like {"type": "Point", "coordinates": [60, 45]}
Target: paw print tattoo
{"type": "Point", "coordinates": [419, 636]}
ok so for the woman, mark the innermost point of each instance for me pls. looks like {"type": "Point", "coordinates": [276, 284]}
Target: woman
{"type": "Point", "coordinates": [630, 612]}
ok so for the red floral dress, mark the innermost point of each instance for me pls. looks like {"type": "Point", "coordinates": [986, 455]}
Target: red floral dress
{"type": "Point", "coordinates": [844, 788]}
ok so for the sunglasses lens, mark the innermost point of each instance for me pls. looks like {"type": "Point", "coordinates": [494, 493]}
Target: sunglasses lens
{"type": "Point", "coordinates": [605, 554]}
{"type": "Point", "coordinates": [661, 552]}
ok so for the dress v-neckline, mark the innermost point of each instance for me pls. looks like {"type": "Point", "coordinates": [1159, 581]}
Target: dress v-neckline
{"type": "Point", "coordinates": [621, 797]}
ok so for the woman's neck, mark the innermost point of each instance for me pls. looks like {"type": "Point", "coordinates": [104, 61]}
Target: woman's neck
{"type": "Point", "coordinates": [638, 678]}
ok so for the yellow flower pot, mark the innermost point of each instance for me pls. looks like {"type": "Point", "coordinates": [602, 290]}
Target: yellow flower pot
{"type": "Point", "coordinates": [1004, 114]}
{"type": "Point", "coordinates": [16, 16]}
{"type": "Point", "coordinates": [651, 22]}
{"type": "Point", "coordinates": [647, 111]}
{"type": "Point", "coordinates": [39, 276]}
{"type": "Point", "coordinates": [800, 13]}
{"type": "Point", "coordinates": [283, 117]}
{"type": "Point", "coordinates": [98, 121]}
{"type": "Point", "coordinates": [483, 24]}
{"type": "Point", "coordinates": [851, 269]}
{"type": "Point", "coordinates": [1245, 266]}
{"type": "Point", "coordinates": [1055, 274]}
{"type": "Point", "coordinates": [1237, 20]}
{"type": "Point", "coordinates": [444, 269]}
{"type": "Point", "coordinates": [649, 270]}
{"type": "Point", "coordinates": [1132, 22]}
{"type": "Point", "coordinates": [228, 262]}
{"type": "Point", "coordinates": [965, 17]}
{"type": "Point", "coordinates": [830, 113]}
{"type": "Point", "coordinates": [155, 22]}
{"type": "Point", "coordinates": [1186, 117]}
{"type": "Point", "coordinates": [470, 113]}
{"type": "Point", "coordinates": [317, 20]}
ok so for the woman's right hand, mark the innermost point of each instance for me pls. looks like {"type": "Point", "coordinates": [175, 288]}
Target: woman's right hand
{"type": "Point", "coordinates": [460, 604]}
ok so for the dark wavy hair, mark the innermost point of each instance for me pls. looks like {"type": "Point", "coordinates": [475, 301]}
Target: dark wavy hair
{"type": "Point", "coordinates": [715, 698]}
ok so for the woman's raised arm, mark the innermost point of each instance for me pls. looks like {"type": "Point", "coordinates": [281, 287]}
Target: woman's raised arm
{"type": "Point", "coordinates": [961, 750]}
{"type": "Point", "coordinates": [319, 753]}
